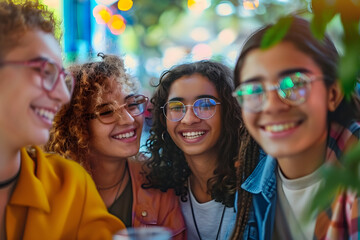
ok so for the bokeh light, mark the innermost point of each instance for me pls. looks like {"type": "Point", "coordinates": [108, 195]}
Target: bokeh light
{"type": "Point", "coordinates": [225, 8]}
{"type": "Point", "coordinates": [125, 5]}
{"type": "Point", "coordinates": [200, 34]}
{"type": "Point", "coordinates": [117, 24]}
{"type": "Point", "coordinates": [201, 51]}
{"type": "Point", "coordinates": [227, 36]}
{"type": "Point", "coordinates": [250, 4]}
{"type": "Point", "coordinates": [102, 14]}
{"type": "Point", "coordinates": [198, 6]}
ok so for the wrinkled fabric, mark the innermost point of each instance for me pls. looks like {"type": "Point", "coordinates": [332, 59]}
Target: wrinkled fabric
{"type": "Point", "coordinates": [55, 198]}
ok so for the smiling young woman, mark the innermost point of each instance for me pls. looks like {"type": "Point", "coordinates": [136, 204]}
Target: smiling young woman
{"type": "Point", "coordinates": [294, 108]}
{"type": "Point", "coordinates": [195, 137]}
{"type": "Point", "coordinates": [101, 129]}
{"type": "Point", "coordinates": [42, 196]}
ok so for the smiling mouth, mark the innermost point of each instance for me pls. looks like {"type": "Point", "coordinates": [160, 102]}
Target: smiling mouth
{"type": "Point", "coordinates": [44, 113]}
{"type": "Point", "coordinates": [192, 135]}
{"type": "Point", "coordinates": [125, 135]}
{"type": "Point", "coordinates": [275, 128]}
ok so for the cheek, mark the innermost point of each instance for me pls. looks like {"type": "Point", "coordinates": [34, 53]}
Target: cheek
{"type": "Point", "coordinates": [250, 120]}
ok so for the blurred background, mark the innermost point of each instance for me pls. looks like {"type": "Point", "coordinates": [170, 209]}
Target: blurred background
{"type": "Point", "coordinates": [153, 35]}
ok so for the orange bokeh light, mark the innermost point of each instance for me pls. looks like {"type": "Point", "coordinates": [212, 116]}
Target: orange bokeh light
{"type": "Point", "coordinates": [102, 14]}
{"type": "Point", "coordinates": [250, 4]}
{"type": "Point", "coordinates": [125, 5]}
{"type": "Point", "coordinates": [117, 24]}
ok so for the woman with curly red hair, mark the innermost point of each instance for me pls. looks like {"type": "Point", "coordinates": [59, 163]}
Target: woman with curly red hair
{"type": "Point", "coordinates": [101, 128]}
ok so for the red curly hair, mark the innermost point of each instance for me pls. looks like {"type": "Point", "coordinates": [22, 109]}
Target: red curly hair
{"type": "Point", "coordinates": [17, 18]}
{"type": "Point", "coordinates": [70, 134]}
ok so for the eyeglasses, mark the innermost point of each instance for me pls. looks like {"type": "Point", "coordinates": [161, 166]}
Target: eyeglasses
{"type": "Point", "coordinates": [204, 108]}
{"type": "Point", "coordinates": [292, 89]}
{"type": "Point", "coordinates": [110, 113]}
{"type": "Point", "coordinates": [49, 71]}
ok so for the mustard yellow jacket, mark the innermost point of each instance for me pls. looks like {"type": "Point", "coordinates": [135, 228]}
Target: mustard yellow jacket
{"type": "Point", "coordinates": [55, 198]}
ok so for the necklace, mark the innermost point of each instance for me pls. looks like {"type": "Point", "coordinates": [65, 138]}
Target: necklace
{"type": "Point", "coordinates": [112, 186]}
{"type": "Point", "coordinates": [196, 227]}
{"type": "Point", "coordinates": [10, 180]}
{"type": "Point", "coordinates": [122, 180]}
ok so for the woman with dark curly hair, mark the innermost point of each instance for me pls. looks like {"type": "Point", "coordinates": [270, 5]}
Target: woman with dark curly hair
{"type": "Point", "coordinates": [101, 128]}
{"type": "Point", "coordinates": [42, 196]}
{"type": "Point", "coordinates": [194, 144]}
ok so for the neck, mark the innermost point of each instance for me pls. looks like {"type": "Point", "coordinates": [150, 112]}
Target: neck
{"type": "Point", "coordinates": [202, 169]}
{"type": "Point", "coordinates": [306, 162]}
{"type": "Point", "coordinates": [9, 162]}
{"type": "Point", "coordinates": [107, 172]}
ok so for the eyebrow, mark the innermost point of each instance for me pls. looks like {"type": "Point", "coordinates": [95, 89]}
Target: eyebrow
{"type": "Point", "coordinates": [293, 70]}
{"type": "Point", "coordinates": [198, 97]}
{"type": "Point", "coordinates": [281, 74]}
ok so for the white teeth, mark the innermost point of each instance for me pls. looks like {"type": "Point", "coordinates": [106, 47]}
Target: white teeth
{"type": "Point", "coordinates": [192, 135]}
{"type": "Point", "coordinates": [45, 113]}
{"type": "Point", "coordinates": [125, 135]}
{"type": "Point", "coordinates": [279, 127]}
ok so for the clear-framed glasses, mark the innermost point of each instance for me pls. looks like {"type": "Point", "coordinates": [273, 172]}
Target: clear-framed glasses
{"type": "Point", "coordinates": [108, 113]}
{"type": "Point", "coordinates": [292, 89]}
{"type": "Point", "coordinates": [204, 108]}
{"type": "Point", "coordinates": [49, 71]}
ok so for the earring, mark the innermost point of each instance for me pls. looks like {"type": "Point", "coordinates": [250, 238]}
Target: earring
{"type": "Point", "coordinates": [163, 135]}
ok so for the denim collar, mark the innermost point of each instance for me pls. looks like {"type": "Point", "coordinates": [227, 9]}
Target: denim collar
{"type": "Point", "coordinates": [263, 178]}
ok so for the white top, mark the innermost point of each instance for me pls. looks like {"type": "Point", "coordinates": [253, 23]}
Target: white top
{"type": "Point", "coordinates": [295, 197]}
{"type": "Point", "coordinates": [207, 216]}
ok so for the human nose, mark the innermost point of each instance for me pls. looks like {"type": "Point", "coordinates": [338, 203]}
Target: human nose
{"type": "Point", "coordinates": [123, 116]}
{"type": "Point", "coordinates": [190, 116]}
{"type": "Point", "coordinates": [60, 91]}
{"type": "Point", "coordinates": [273, 102]}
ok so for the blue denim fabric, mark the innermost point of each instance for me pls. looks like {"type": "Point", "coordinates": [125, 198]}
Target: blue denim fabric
{"type": "Point", "coordinates": [262, 184]}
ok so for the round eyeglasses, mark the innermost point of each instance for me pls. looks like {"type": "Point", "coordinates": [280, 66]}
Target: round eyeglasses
{"type": "Point", "coordinates": [107, 113]}
{"type": "Point", "coordinates": [292, 89]}
{"type": "Point", "coordinates": [204, 108]}
{"type": "Point", "coordinates": [49, 71]}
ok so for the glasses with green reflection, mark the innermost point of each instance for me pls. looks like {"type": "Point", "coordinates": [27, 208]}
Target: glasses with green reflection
{"type": "Point", "coordinates": [292, 89]}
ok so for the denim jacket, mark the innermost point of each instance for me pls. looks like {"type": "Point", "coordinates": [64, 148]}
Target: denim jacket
{"type": "Point", "coordinates": [262, 184]}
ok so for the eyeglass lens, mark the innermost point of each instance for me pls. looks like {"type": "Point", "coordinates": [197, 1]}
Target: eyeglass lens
{"type": "Point", "coordinates": [135, 105]}
{"type": "Point", "coordinates": [204, 108]}
{"type": "Point", "coordinates": [51, 74]}
{"type": "Point", "coordinates": [292, 89]}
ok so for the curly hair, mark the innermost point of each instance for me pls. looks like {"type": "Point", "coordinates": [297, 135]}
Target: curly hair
{"type": "Point", "coordinates": [17, 18]}
{"type": "Point", "coordinates": [169, 168]}
{"type": "Point", "coordinates": [70, 134]}
{"type": "Point", "coordinates": [325, 55]}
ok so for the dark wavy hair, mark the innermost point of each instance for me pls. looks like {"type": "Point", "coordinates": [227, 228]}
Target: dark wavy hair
{"type": "Point", "coordinates": [325, 55]}
{"type": "Point", "coordinates": [70, 135]}
{"type": "Point", "coordinates": [18, 17]}
{"type": "Point", "coordinates": [169, 168]}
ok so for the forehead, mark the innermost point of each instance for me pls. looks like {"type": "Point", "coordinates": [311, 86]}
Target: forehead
{"type": "Point", "coordinates": [190, 87]}
{"type": "Point", "coordinates": [36, 43]}
{"type": "Point", "coordinates": [116, 93]}
{"type": "Point", "coordinates": [270, 63]}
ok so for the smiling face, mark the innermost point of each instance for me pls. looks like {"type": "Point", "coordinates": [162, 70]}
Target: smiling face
{"type": "Point", "coordinates": [26, 110]}
{"type": "Point", "coordinates": [120, 139]}
{"type": "Point", "coordinates": [285, 131]}
{"type": "Point", "coordinates": [195, 136]}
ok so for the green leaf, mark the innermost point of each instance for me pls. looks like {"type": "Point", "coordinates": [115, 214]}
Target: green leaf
{"type": "Point", "coordinates": [319, 22]}
{"type": "Point", "coordinates": [348, 69]}
{"type": "Point", "coordinates": [276, 33]}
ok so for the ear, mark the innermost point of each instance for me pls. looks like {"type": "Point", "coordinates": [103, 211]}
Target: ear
{"type": "Point", "coordinates": [335, 96]}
